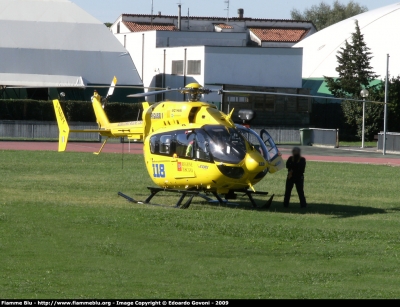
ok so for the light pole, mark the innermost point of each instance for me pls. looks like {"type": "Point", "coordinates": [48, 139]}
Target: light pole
{"type": "Point", "coordinates": [386, 102]}
{"type": "Point", "coordinates": [364, 94]}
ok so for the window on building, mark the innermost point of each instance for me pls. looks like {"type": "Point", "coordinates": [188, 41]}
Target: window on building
{"type": "Point", "coordinates": [237, 99]}
{"type": "Point", "coordinates": [264, 102]}
{"type": "Point", "coordinates": [194, 68]}
{"type": "Point", "coordinates": [125, 41]}
{"type": "Point", "coordinates": [258, 102]}
{"type": "Point", "coordinates": [119, 27]}
{"type": "Point", "coordinates": [177, 68]}
{"type": "Point", "coordinates": [270, 103]}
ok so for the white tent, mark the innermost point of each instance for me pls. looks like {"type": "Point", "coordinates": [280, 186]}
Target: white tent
{"type": "Point", "coordinates": [381, 29]}
{"type": "Point", "coordinates": [54, 43]}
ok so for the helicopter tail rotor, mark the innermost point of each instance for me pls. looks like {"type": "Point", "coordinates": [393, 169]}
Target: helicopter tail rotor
{"type": "Point", "coordinates": [104, 100]}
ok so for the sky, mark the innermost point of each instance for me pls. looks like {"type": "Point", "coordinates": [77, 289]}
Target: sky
{"type": "Point", "coordinates": [109, 10]}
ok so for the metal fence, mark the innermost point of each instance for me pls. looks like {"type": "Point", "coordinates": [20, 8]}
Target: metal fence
{"type": "Point", "coordinates": [282, 135]}
{"type": "Point", "coordinates": [392, 142]}
{"type": "Point", "coordinates": [37, 130]}
{"type": "Point", "coordinates": [15, 129]}
{"type": "Point", "coordinates": [320, 137]}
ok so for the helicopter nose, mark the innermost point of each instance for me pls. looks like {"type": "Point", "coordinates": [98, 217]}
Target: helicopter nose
{"type": "Point", "coordinates": [253, 165]}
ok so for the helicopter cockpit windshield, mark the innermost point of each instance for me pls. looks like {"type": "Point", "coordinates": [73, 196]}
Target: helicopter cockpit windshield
{"type": "Point", "coordinates": [226, 144]}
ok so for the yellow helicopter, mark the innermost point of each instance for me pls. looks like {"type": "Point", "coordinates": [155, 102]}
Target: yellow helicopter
{"type": "Point", "coordinates": [190, 148]}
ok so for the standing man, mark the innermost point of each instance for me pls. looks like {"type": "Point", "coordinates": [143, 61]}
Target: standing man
{"type": "Point", "coordinates": [296, 165]}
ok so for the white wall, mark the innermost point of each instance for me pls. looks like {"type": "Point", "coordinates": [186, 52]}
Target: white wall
{"type": "Point", "coordinates": [271, 67]}
{"type": "Point", "coordinates": [153, 61]}
{"type": "Point", "coordinates": [177, 38]}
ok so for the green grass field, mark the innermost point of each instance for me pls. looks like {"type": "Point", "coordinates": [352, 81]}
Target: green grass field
{"type": "Point", "coordinates": [64, 233]}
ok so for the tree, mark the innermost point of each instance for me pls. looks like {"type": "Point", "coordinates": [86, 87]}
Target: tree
{"type": "Point", "coordinates": [354, 67]}
{"type": "Point", "coordinates": [373, 117]}
{"type": "Point", "coordinates": [354, 74]}
{"type": "Point", "coordinates": [394, 106]}
{"type": "Point", "coordinates": [323, 15]}
{"type": "Point", "coordinates": [108, 24]}
{"type": "Point", "coordinates": [393, 100]}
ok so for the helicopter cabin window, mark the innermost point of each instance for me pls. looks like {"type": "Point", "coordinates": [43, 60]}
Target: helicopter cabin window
{"type": "Point", "coordinates": [192, 145]}
{"type": "Point", "coordinates": [226, 144]}
{"type": "Point", "coordinates": [194, 68]}
{"type": "Point", "coordinates": [154, 144]}
{"type": "Point", "coordinates": [202, 146]}
{"type": "Point", "coordinates": [184, 144]}
{"type": "Point", "coordinates": [165, 144]}
{"type": "Point", "coordinates": [177, 68]}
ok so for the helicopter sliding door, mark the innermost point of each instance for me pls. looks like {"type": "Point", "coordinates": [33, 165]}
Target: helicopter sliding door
{"type": "Point", "coordinates": [177, 152]}
{"type": "Point", "coordinates": [161, 147]}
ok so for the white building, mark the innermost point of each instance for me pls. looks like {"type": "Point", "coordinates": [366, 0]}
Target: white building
{"type": "Point", "coordinates": [255, 31]}
{"type": "Point", "coordinates": [211, 66]}
{"type": "Point", "coordinates": [217, 53]}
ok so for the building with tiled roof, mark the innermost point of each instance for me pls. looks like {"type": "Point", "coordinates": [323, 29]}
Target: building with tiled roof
{"type": "Point", "coordinates": [277, 35]}
{"type": "Point", "coordinates": [261, 32]}
{"type": "Point", "coordinates": [235, 53]}
{"type": "Point", "coordinates": [146, 26]}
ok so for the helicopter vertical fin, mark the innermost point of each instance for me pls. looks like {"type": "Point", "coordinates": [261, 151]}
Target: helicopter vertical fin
{"type": "Point", "coordinates": [101, 116]}
{"type": "Point", "coordinates": [146, 122]}
{"type": "Point", "coordinates": [230, 114]}
{"type": "Point", "coordinates": [146, 106]}
{"type": "Point", "coordinates": [62, 126]}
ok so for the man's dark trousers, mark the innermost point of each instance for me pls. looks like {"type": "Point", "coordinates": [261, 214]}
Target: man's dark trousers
{"type": "Point", "coordinates": [299, 182]}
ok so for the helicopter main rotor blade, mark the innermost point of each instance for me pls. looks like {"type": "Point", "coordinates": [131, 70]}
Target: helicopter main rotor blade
{"type": "Point", "coordinates": [295, 95]}
{"type": "Point", "coordinates": [87, 86]}
{"type": "Point", "coordinates": [152, 93]}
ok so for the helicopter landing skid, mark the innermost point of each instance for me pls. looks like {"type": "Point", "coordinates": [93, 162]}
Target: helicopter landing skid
{"type": "Point", "coordinates": [250, 193]}
{"type": "Point", "coordinates": [154, 191]}
{"type": "Point", "coordinates": [192, 194]}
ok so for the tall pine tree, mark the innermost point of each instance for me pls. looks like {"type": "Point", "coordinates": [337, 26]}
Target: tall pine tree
{"type": "Point", "coordinates": [354, 68]}
{"type": "Point", "coordinates": [355, 73]}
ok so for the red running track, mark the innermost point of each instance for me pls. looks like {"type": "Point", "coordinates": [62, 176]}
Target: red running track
{"type": "Point", "coordinates": [135, 148]}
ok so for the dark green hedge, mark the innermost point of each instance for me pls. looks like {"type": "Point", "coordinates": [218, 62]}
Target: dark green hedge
{"type": "Point", "coordinates": [330, 116]}
{"type": "Point", "coordinates": [76, 111]}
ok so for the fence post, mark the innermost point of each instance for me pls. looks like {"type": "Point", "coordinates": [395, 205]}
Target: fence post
{"type": "Point", "coordinates": [337, 138]}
